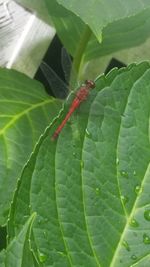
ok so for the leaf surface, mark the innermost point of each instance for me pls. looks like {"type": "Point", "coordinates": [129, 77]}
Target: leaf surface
{"type": "Point", "coordinates": [25, 111]}
{"type": "Point", "coordinates": [118, 32]}
{"type": "Point", "coordinates": [18, 253]}
{"type": "Point", "coordinates": [98, 14]}
{"type": "Point", "coordinates": [90, 188]}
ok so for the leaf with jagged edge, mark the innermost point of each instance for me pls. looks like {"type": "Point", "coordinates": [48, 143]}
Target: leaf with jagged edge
{"type": "Point", "coordinates": [90, 188]}
{"type": "Point", "coordinates": [99, 14]}
{"type": "Point", "coordinates": [119, 35]}
{"type": "Point", "coordinates": [25, 112]}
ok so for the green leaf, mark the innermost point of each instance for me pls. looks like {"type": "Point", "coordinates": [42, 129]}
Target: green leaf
{"type": "Point", "coordinates": [2, 258]}
{"type": "Point", "coordinates": [99, 14]}
{"type": "Point", "coordinates": [18, 254]}
{"type": "Point", "coordinates": [90, 188]}
{"type": "Point", "coordinates": [25, 111]}
{"type": "Point", "coordinates": [122, 34]}
{"type": "Point", "coordinates": [69, 27]}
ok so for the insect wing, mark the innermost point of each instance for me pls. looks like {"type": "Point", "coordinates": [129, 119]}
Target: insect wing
{"type": "Point", "coordinates": [66, 64]}
{"type": "Point", "coordinates": [68, 70]}
{"type": "Point", "coordinates": [59, 88]}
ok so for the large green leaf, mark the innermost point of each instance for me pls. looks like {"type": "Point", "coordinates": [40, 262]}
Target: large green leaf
{"type": "Point", "coordinates": [99, 14]}
{"type": "Point", "coordinates": [25, 111]}
{"type": "Point", "coordinates": [121, 33]}
{"type": "Point", "coordinates": [118, 35]}
{"type": "Point", "coordinates": [69, 27]}
{"type": "Point", "coordinates": [90, 188]}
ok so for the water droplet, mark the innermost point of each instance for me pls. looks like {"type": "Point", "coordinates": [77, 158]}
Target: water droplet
{"type": "Point", "coordinates": [134, 173]}
{"type": "Point", "coordinates": [42, 257]}
{"type": "Point", "coordinates": [61, 253]}
{"type": "Point", "coordinates": [138, 189]}
{"type": "Point", "coordinates": [97, 191]}
{"type": "Point", "coordinates": [44, 233]}
{"type": "Point", "coordinates": [123, 115]}
{"type": "Point", "coordinates": [124, 174]}
{"type": "Point", "coordinates": [134, 223]}
{"type": "Point", "coordinates": [146, 239]}
{"type": "Point", "coordinates": [82, 164]}
{"type": "Point", "coordinates": [124, 199]}
{"type": "Point", "coordinates": [134, 257]}
{"type": "Point", "coordinates": [117, 161]}
{"type": "Point", "coordinates": [126, 245]}
{"type": "Point", "coordinates": [147, 215]}
{"type": "Point", "coordinates": [135, 234]}
{"type": "Point", "coordinates": [26, 216]}
{"type": "Point", "coordinates": [88, 134]}
{"type": "Point", "coordinates": [74, 153]}
{"type": "Point", "coordinates": [39, 221]}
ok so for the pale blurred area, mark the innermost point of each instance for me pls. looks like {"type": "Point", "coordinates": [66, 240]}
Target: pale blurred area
{"type": "Point", "coordinates": [24, 36]}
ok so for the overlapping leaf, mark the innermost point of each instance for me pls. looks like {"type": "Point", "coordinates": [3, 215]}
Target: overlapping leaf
{"type": "Point", "coordinates": [122, 34]}
{"type": "Point", "coordinates": [118, 32]}
{"type": "Point", "coordinates": [90, 189]}
{"type": "Point", "coordinates": [98, 14]}
{"type": "Point", "coordinates": [25, 111]}
{"type": "Point", "coordinates": [18, 252]}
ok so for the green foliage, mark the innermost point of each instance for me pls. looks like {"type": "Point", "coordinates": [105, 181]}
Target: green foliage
{"type": "Point", "coordinates": [18, 253]}
{"type": "Point", "coordinates": [25, 111]}
{"type": "Point", "coordinates": [112, 30]}
{"type": "Point", "coordinates": [83, 199]}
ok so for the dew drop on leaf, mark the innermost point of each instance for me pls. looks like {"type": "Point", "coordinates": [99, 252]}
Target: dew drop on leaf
{"type": "Point", "coordinates": [138, 189]}
{"type": "Point", "coordinates": [61, 253]}
{"type": "Point", "coordinates": [117, 161]}
{"type": "Point", "coordinates": [133, 257]}
{"type": "Point", "coordinates": [82, 164]}
{"type": "Point", "coordinates": [134, 173]}
{"type": "Point", "coordinates": [26, 216]}
{"type": "Point", "coordinates": [124, 173]}
{"type": "Point", "coordinates": [44, 233]}
{"type": "Point", "coordinates": [123, 115]}
{"type": "Point", "coordinates": [134, 223]}
{"type": "Point", "coordinates": [147, 215]}
{"type": "Point", "coordinates": [124, 199]}
{"type": "Point", "coordinates": [126, 245]}
{"type": "Point", "coordinates": [146, 239]}
{"type": "Point", "coordinates": [135, 234]}
{"type": "Point", "coordinates": [39, 221]}
{"type": "Point", "coordinates": [42, 257]}
{"type": "Point", "coordinates": [98, 191]}
{"type": "Point", "coordinates": [88, 134]}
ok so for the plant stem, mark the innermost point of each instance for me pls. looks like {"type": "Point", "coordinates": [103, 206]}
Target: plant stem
{"type": "Point", "coordinates": [78, 56]}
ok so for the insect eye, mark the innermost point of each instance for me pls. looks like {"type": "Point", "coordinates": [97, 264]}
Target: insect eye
{"type": "Point", "coordinates": [90, 83]}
